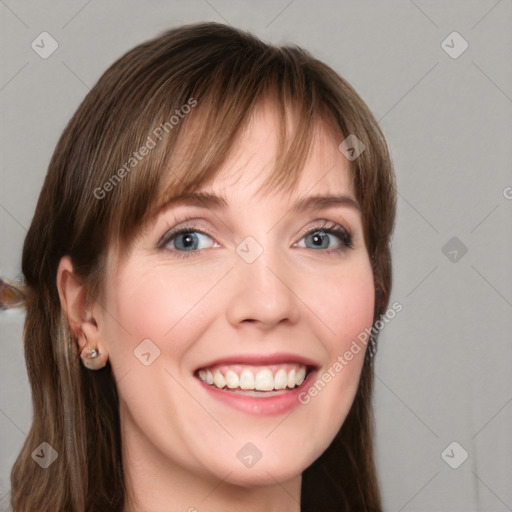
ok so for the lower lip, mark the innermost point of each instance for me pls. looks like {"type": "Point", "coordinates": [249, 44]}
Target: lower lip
{"type": "Point", "coordinates": [264, 405]}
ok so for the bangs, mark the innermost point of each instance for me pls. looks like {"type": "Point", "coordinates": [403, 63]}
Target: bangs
{"type": "Point", "coordinates": [190, 154]}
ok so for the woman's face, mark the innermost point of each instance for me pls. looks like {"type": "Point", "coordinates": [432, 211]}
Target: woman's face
{"type": "Point", "coordinates": [253, 294]}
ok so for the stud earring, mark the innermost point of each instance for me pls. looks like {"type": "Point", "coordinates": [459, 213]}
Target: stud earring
{"type": "Point", "coordinates": [93, 359]}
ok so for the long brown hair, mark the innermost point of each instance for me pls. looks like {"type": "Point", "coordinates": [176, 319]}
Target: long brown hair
{"type": "Point", "coordinates": [206, 80]}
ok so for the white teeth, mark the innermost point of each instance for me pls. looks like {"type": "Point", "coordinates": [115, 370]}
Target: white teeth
{"type": "Point", "coordinates": [254, 378]}
{"type": "Point", "coordinates": [281, 379]}
{"type": "Point", "coordinates": [247, 380]}
{"type": "Point", "coordinates": [300, 376]}
{"type": "Point", "coordinates": [264, 381]}
{"type": "Point", "coordinates": [218, 379]}
{"type": "Point", "coordinates": [291, 378]}
{"type": "Point", "coordinates": [232, 379]}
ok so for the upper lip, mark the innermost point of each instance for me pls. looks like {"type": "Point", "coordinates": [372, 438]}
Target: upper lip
{"type": "Point", "coordinates": [262, 360]}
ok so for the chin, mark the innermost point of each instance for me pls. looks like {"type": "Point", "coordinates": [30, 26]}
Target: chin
{"type": "Point", "coordinates": [264, 476]}
{"type": "Point", "coordinates": [268, 470]}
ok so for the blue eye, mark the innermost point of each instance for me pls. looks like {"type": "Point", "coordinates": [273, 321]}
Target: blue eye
{"type": "Point", "coordinates": [186, 241]}
{"type": "Point", "coordinates": [321, 237]}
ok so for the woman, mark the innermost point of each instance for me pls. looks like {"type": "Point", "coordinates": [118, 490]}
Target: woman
{"type": "Point", "coordinates": [209, 252]}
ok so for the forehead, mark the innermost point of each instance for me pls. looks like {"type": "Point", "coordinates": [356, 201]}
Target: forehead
{"type": "Point", "coordinates": [255, 156]}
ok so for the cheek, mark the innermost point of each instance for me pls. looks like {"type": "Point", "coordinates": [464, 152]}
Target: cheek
{"type": "Point", "coordinates": [346, 302]}
{"type": "Point", "coordinates": [146, 306]}
{"type": "Point", "coordinates": [348, 308]}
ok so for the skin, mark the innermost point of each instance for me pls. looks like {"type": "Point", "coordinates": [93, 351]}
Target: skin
{"type": "Point", "coordinates": [179, 444]}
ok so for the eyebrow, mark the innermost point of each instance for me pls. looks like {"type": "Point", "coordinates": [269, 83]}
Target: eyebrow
{"type": "Point", "coordinates": [309, 203]}
{"type": "Point", "coordinates": [321, 202]}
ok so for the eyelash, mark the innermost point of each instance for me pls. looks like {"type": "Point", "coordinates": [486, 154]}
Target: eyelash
{"type": "Point", "coordinates": [328, 227]}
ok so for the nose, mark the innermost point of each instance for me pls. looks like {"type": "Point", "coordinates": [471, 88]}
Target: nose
{"type": "Point", "coordinates": [262, 291]}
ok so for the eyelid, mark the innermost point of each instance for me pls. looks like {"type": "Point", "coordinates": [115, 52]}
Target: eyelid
{"type": "Point", "coordinates": [321, 224]}
{"type": "Point", "coordinates": [184, 225]}
{"type": "Point", "coordinates": [331, 228]}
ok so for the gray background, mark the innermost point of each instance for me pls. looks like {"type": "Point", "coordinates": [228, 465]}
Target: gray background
{"type": "Point", "coordinates": [443, 370]}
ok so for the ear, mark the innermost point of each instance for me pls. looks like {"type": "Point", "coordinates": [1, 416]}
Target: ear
{"type": "Point", "coordinates": [74, 302]}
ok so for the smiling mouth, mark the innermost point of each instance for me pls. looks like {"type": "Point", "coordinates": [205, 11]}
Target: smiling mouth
{"type": "Point", "coordinates": [254, 380]}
